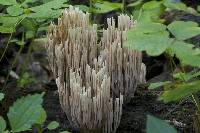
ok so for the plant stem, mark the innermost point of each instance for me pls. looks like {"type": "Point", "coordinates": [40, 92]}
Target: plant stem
{"type": "Point", "coordinates": [6, 47]}
{"type": "Point", "coordinates": [13, 63]}
{"type": "Point", "coordinates": [124, 6]}
{"type": "Point", "coordinates": [10, 39]}
{"type": "Point", "coordinates": [196, 102]}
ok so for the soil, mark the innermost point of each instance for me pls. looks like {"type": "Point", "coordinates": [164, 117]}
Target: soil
{"type": "Point", "coordinates": [134, 113]}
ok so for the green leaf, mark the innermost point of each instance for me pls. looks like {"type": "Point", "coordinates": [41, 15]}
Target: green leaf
{"type": "Point", "coordinates": [42, 116]}
{"type": "Point", "coordinates": [158, 84]}
{"type": "Point", "coordinates": [135, 4]}
{"type": "Point", "coordinates": [53, 125]}
{"type": "Point", "coordinates": [54, 4]}
{"type": "Point", "coordinates": [8, 23]}
{"type": "Point", "coordinates": [1, 96]}
{"type": "Point", "coordinates": [25, 112]}
{"type": "Point", "coordinates": [106, 6]}
{"type": "Point", "coordinates": [48, 10]}
{"type": "Point", "coordinates": [186, 76]}
{"type": "Point", "coordinates": [83, 8]}
{"type": "Point", "coordinates": [2, 124]}
{"type": "Point", "coordinates": [155, 125]}
{"type": "Point", "coordinates": [186, 53]}
{"type": "Point", "coordinates": [198, 8]}
{"type": "Point", "coordinates": [150, 37]}
{"type": "Point", "coordinates": [181, 91]}
{"type": "Point", "coordinates": [172, 4]}
{"type": "Point", "coordinates": [15, 10]}
{"type": "Point", "coordinates": [4, 29]}
{"type": "Point", "coordinates": [64, 132]}
{"type": "Point", "coordinates": [46, 14]}
{"type": "Point", "coordinates": [184, 30]}
{"type": "Point", "coordinates": [30, 34]}
{"type": "Point", "coordinates": [151, 11]}
{"type": "Point", "coordinates": [148, 27]}
{"type": "Point", "coordinates": [8, 2]}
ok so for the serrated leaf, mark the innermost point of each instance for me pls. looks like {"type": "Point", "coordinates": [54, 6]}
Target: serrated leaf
{"type": "Point", "coordinates": [186, 53]}
{"type": "Point", "coordinates": [53, 125]}
{"type": "Point", "coordinates": [1, 96]}
{"type": "Point", "coordinates": [54, 4]}
{"type": "Point", "coordinates": [181, 91]}
{"type": "Point", "coordinates": [14, 10]}
{"type": "Point", "coordinates": [25, 112]}
{"type": "Point", "coordinates": [158, 84]}
{"type": "Point", "coordinates": [8, 2]}
{"type": "Point", "coordinates": [46, 14]}
{"type": "Point", "coordinates": [106, 6]}
{"type": "Point", "coordinates": [2, 124]}
{"type": "Point", "coordinates": [155, 125]}
{"type": "Point", "coordinates": [184, 30]}
{"type": "Point", "coordinates": [42, 116]}
{"type": "Point", "coordinates": [150, 37]}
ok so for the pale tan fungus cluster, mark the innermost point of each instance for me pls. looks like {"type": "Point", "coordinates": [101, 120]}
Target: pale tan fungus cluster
{"type": "Point", "coordinates": [93, 78]}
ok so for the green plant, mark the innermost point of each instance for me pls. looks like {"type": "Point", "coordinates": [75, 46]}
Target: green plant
{"type": "Point", "coordinates": [152, 10]}
{"type": "Point", "coordinates": [155, 125]}
{"type": "Point", "coordinates": [25, 113]}
{"type": "Point", "coordinates": [26, 79]}
{"type": "Point", "coordinates": [172, 40]}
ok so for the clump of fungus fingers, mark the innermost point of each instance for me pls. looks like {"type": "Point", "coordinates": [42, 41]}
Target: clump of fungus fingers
{"type": "Point", "coordinates": [93, 78]}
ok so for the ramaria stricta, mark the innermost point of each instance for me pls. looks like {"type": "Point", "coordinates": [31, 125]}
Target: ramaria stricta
{"type": "Point", "coordinates": [93, 77]}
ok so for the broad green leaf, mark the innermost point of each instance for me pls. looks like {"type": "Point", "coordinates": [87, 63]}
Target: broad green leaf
{"type": "Point", "coordinates": [8, 2]}
{"type": "Point", "coordinates": [149, 37]}
{"type": "Point", "coordinates": [83, 8]}
{"type": "Point", "coordinates": [186, 76]}
{"type": "Point", "coordinates": [14, 10]}
{"type": "Point", "coordinates": [186, 53]}
{"type": "Point", "coordinates": [8, 23]}
{"type": "Point", "coordinates": [4, 29]}
{"type": "Point", "coordinates": [135, 3]}
{"type": "Point", "coordinates": [158, 84]}
{"type": "Point", "coordinates": [181, 91]}
{"type": "Point", "coordinates": [173, 4]}
{"type": "Point", "coordinates": [2, 124]}
{"type": "Point", "coordinates": [1, 96]}
{"type": "Point", "coordinates": [54, 4]}
{"type": "Point", "coordinates": [155, 125]}
{"type": "Point", "coordinates": [106, 6]}
{"type": "Point", "coordinates": [148, 27]}
{"type": "Point", "coordinates": [42, 116]}
{"type": "Point", "coordinates": [53, 125]}
{"type": "Point", "coordinates": [184, 30]}
{"type": "Point", "coordinates": [151, 11]}
{"type": "Point", "coordinates": [30, 34]}
{"type": "Point", "coordinates": [25, 112]}
{"type": "Point", "coordinates": [25, 2]}
{"type": "Point", "coordinates": [29, 24]}
{"type": "Point", "coordinates": [46, 14]}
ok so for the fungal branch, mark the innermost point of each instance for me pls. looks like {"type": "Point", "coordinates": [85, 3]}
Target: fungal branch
{"type": "Point", "coordinates": [94, 78]}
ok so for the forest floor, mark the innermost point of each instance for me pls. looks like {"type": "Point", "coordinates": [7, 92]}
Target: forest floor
{"type": "Point", "coordinates": [134, 113]}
